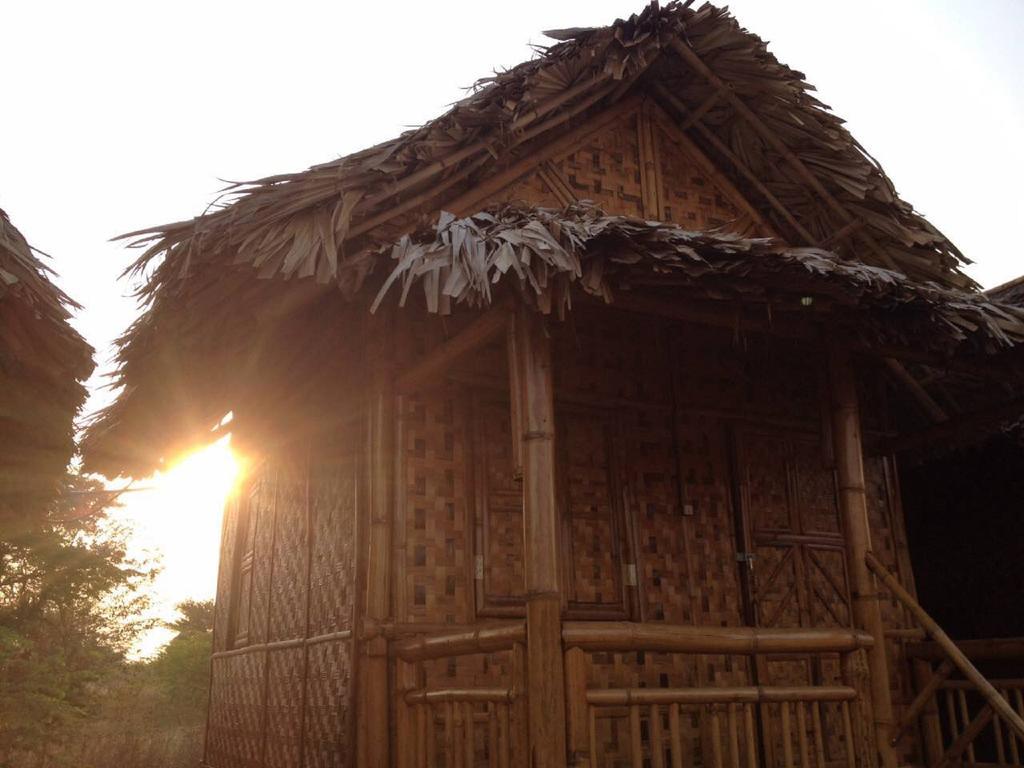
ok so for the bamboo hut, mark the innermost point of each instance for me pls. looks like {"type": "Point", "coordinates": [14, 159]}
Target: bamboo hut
{"type": "Point", "coordinates": [576, 420]}
{"type": "Point", "coordinates": [44, 363]}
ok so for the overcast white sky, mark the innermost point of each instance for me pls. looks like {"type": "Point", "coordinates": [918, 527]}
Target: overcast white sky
{"type": "Point", "coordinates": [122, 115]}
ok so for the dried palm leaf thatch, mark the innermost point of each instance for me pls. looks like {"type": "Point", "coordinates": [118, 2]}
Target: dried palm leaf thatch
{"type": "Point", "coordinates": [553, 251]}
{"type": "Point", "coordinates": [44, 363]}
{"type": "Point", "coordinates": [207, 318]}
{"type": "Point", "coordinates": [317, 223]}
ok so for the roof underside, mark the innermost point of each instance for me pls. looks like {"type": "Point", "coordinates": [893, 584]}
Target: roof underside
{"type": "Point", "coordinates": [43, 364]}
{"type": "Point", "coordinates": [335, 224]}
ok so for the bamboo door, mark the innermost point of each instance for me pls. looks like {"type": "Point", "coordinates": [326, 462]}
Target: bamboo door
{"type": "Point", "coordinates": [599, 571]}
{"type": "Point", "coordinates": [795, 558]}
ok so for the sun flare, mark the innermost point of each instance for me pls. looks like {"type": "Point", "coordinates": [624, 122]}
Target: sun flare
{"type": "Point", "coordinates": [177, 518]}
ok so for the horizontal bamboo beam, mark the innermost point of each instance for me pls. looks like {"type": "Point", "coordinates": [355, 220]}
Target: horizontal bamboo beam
{"type": "Point", "coordinates": [967, 669]}
{"type": "Point", "coordinates": [430, 369]}
{"type": "Point", "coordinates": [988, 649]}
{"type": "Point", "coordinates": [1011, 683]}
{"type": "Point", "coordinates": [624, 636]}
{"type": "Point", "coordinates": [468, 695]}
{"type": "Point", "coordinates": [620, 697]}
{"type": "Point", "coordinates": [282, 644]}
{"type": "Point", "coordinates": [485, 639]}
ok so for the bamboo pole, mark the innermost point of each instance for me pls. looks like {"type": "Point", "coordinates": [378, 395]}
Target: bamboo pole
{"type": "Point", "coordinates": [374, 735]}
{"type": "Point", "coordinates": [1000, 705]}
{"type": "Point", "coordinates": [867, 613]}
{"type": "Point", "coordinates": [576, 707]}
{"type": "Point", "coordinates": [540, 552]}
{"type": "Point", "coordinates": [625, 636]}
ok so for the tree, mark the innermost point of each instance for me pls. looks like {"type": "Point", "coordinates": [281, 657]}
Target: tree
{"type": "Point", "coordinates": [70, 607]}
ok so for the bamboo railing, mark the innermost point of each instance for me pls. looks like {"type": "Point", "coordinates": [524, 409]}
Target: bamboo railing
{"type": "Point", "coordinates": [728, 727]}
{"type": "Point", "coordinates": [975, 708]}
{"type": "Point", "coordinates": [461, 727]}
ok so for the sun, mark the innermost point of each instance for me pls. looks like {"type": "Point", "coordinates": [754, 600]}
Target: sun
{"type": "Point", "coordinates": [176, 517]}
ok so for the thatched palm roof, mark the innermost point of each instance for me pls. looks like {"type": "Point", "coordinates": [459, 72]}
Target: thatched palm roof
{"type": "Point", "coordinates": [44, 363]}
{"type": "Point", "coordinates": [333, 225]}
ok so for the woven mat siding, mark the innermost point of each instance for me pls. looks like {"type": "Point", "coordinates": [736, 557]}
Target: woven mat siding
{"type": "Point", "coordinates": [329, 706]}
{"type": "Point", "coordinates": [235, 736]}
{"type": "Point", "coordinates": [291, 548]}
{"type": "Point", "coordinates": [264, 499]}
{"type": "Point", "coordinates": [332, 571]}
{"type": "Point", "coordinates": [285, 687]}
{"type": "Point", "coordinates": [225, 575]}
{"type": "Point", "coordinates": [605, 168]}
{"type": "Point", "coordinates": [688, 197]}
{"type": "Point", "coordinates": [438, 548]}
{"type": "Point", "coordinates": [291, 707]}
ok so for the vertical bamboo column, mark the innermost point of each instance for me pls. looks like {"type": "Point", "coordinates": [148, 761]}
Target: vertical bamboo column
{"type": "Point", "coordinates": [535, 392]}
{"type": "Point", "coordinates": [373, 711]}
{"type": "Point", "coordinates": [867, 613]}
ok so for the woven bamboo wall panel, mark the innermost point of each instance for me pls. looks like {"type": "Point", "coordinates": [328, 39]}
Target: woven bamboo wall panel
{"type": "Point", "coordinates": [529, 189]}
{"type": "Point", "coordinates": [438, 541]}
{"type": "Point", "coordinates": [611, 356]}
{"type": "Point", "coordinates": [225, 575]}
{"type": "Point", "coordinates": [653, 482]}
{"type": "Point", "coordinates": [605, 168]}
{"type": "Point", "coordinates": [594, 535]}
{"type": "Point", "coordinates": [500, 501]}
{"type": "Point", "coordinates": [703, 447]}
{"type": "Point", "coordinates": [263, 496]}
{"type": "Point", "coordinates": [689, 197]}
{"type": "Point", "coordinates": [329, 709]}
{"type": "Point", "coordinates": [235, 737]}
{"type": "Point", "coordinates": [332, 570]}
{"type": "Point", "coordinates": [815, 488]}
{"type": "Point", "coordinates": [289, 579]}
{"type": "Point", "coordinates": [285, 683]}
{"type": "Point", "coordinates": [747, 374]}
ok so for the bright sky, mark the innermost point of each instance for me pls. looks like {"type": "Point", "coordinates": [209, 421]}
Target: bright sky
{"type": "Point", "coordinates": [120, 115]}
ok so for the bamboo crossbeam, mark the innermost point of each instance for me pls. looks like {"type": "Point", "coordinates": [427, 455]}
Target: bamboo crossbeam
{"type": "Point", "coordinates": [628, 697]}
{"type": "Point", "coordinates": [987, 649]}
{"type": "Point", "coordinates": [1000, 705]}
{"type": "Point", "coordinates": [1012, 683]}
{"type": "Point", "coordinates": [623, 636]}
{"type": "Point", "coordinates": [278, 645]}
{"type": "Point", "coordinates": [922, 699]}
{"type": "Point", "coordinates": [483, 639]}
{"type": "Point", "coordinates": [430, 369]}
{"type": "Point", "coordinates": [926, 401]}
{"type": "Point", "coordinates": [459, 695]}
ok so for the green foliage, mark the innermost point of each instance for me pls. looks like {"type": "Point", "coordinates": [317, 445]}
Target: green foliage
{"type": "Point", "coordinates": [70, 607]}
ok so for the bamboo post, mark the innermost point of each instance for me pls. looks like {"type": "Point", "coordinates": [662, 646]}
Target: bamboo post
{"type": "Point", "coordinates": [373, 710]}
{"type": "Point", "coordinates": [540, 550]}
{"type": "Point", "coordinates": [867, 613]}
{"type": "Point", "coordinates": [576, 707]}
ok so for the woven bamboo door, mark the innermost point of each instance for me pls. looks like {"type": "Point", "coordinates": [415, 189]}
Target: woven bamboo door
{"type": "Point", "coordinates": [599, 573]}
{"type": "Point", "coordinates": [796, 562]}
